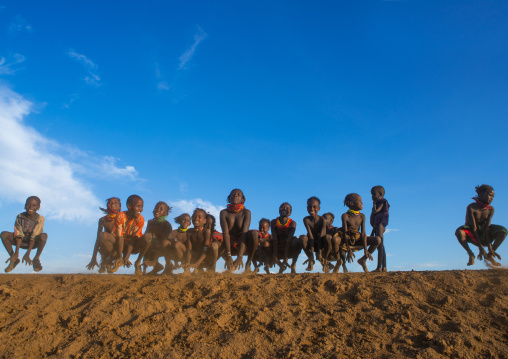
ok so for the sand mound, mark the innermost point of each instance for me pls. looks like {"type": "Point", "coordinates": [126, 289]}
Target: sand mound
{"type": "Point", "coordinates": [461, 314]}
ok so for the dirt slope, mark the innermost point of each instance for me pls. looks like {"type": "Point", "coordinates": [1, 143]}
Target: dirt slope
{"type": "Point", "coordinates": [459, 314]}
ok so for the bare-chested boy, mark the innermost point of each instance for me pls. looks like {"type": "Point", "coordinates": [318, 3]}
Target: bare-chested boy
{"type": "Point", "coordinates": [379, 221]}
{"type": "Point", "coordinates": [235, 222]}
{"type": "Point", "coordinates": [202, 252]}
{"type": "Point", "coordinates": [284, 242]}
{"type": "Point", "coordinates": [28, 234]}
{"type": "Point", "coordinates": [127, 237]}
{"type": "Point", "coordinates": [478, 229]}
{"type": "Point", "coordinates": [353, 231]}
{"type": "Point", "coordinates": [316, 232]}
{"type": "Point", "coordinates": [106, 224]}
{"type": "Point", "coordinates": [157, 232]}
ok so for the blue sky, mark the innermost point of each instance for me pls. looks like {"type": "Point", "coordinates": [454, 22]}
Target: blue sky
{"type": "Point", "coordinates": [285, 100]}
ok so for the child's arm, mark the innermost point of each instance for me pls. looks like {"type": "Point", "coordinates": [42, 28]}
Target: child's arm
{"type": "Point", "coordinates": [474, 229]}
{"type": "Point", "coordinates": [93, 261]}
{"type": "Point", "coordinates": [377, 206]}
{"type": "Point", "coordinates": [291, 234]}
{"type": "Point", "coordinates": [188, 246]}
{"type": "Point", "coordinates": [306, 223]}
{"type": "Point", "coordinates": [275, 240]}
{"type": "Point", "coordinates": [364, 237]}
{"type": "Point", "coordinates": [227, 240]}
{"type": "Point", "coordinates": [487, 234]}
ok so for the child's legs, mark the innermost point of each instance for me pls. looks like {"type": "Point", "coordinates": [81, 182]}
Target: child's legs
{"type": "Point", "coordinates": [8, 241]}
{"type": "Point", "coordinates": [266, 252]}
{"type": "Point", "coordinates": [40, 242]}
{"type": "Point", "coordinates": [107, 243]}
{"type": "Point", "coordinates": [462, 238]}
{"type": "Point", "coordinates": [142, 244]}
{"type": "Point", "coordinates": [213, 254]}
{"type": "Point", "coordinates": [252, 245]}
{"type": "Point", "coordinates": [295, 248]}
{"type": "Point", "coordinates": [498, 239]}
{"type": "Point", "coordinates": [308, 246]}
{"type": "Point", "coordinates": [381, 255]}
{"type": "Point", "coordinates": [373, 242]}
{"type": "Point", "coordinates": [327, 244]}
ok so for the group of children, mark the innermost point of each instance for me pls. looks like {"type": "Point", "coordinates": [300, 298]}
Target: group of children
{"type": "Point", "coordinates": [120, 235]}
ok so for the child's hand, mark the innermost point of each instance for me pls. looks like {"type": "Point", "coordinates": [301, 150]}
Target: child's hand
{"type": "Point", "coordinates": [238, 263]}
{"type": "Point", "coordinates": [92, 264]}
{"type": "Point", "coordinates": [127, 263]}
{"type": "Point", "coordinates": [368, 255]}
{"type": "Point", "coordinates": [26, 259]}
{"type": "Point", "coordinates": [350, 256]}
{"type": "Point", "coordinates": [228, 263]}
{"type": "Point", "coordinates": [494, 254]}
{"type": "Point", "coordinates": [482, 253]}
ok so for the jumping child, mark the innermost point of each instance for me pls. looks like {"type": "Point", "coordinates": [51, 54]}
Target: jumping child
{"type": "Point", "coordinates": [28, 234]}
{"type": "Point", "coordinates": [379, 221]}
{"type": "Point", "coordinates": [235, 222]}
{"type": "Point", "coordinates": [478, 229]}
{"type": "Point", "coordinates": [265, 249]}
{"type": "Point", "coordinates": [316, 232]}
{"type": "Point", "coordinates": [285, 244]}
{"type": "Point", "coordinates": [333, 243]}
{"type": "Point", "coordinates": [157, 231]}
{"type": "Point", "coordinates": [106, 224]}
{"type": "Point", "coordinates": [353, 231]}
{"type": "Point", "coordinates": [201, 251]}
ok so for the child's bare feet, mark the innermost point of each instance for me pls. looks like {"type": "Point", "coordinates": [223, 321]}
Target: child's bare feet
{"type": "Point", "coordinates": [492, 261]}
{"type": "Point", "coordinates": [267, 269]}
{"type": "Point", "coordinates": [137, 268]}
{"type": "Point", "coordinates": [293, 269]}
{"type": "Point", "coordinates": [156, 269]}
{"type": "Point", "coordinates": [377, 270]}
{"type": "Point", "coordinates": [471, 260]}
{"type": "Point", "coordinates": [384, 269]}
{"type": "Point", "coordinates": [310, 266]}
{"type": "Point", "coordinates": [363, 262]}
{"type": "Point", "coordinates": [12, 265]}
{"type": "Point", "coordinates": [37, 264]}
{"type": "Point", "coordinates": [117, 264]}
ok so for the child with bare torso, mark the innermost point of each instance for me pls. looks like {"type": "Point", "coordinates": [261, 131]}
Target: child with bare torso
{"type": "Point", "coordinates": [157, 232]}
{"type": "Point", "coordinates": [264, 249]}
{"type": "Point", "coordinates": [316, 232]}
{"type": "Point", "coordinates": [106, 224]}
{"type": "Point", "coordinates": [175, 246]}
{"type": "Point", "coordinates": [285, 244]}
{"type": "Point", "coordinates": [28, 234]}
{"type": "Point", "coordinates": [353, 231]}
{"type": "Point", "coordinates": [235, 222]}
{"type": "Point", "coordinates": [379, 221]}
{"type": "Point", "coordinates": [202, 251]}
{"type": "Point", "coordinates": [333, 241]}
{"type": "Point", "coordinates": [478, 229]}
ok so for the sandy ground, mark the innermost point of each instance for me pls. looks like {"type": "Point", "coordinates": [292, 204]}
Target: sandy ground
{"type": "Point", "coordinates": [458, 314]}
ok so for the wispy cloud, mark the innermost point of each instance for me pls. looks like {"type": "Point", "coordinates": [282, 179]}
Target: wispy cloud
{"type": "Point", "coordinates": [187, 206]}
{"type": "Point", "coordinates": [388, 230]}
{"type": "Point", "coordinates": [9, 66]}
{"type": "Point", "coordinates": [161, 82]}
{"type": "Point", "coordinates": [19, 24]}
{"type": "Point", "coordinates": [92, 78]}
{"type": "Point", "coordinates": [199, 36]}
{"type": "Point", "coordinates": [32, 164]}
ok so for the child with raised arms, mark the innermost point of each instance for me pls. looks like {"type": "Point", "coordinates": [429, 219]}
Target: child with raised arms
{"type": "Point", "coordinates": [284, 242]}
{"type": "Point", "coordinates": [235, 222]}
{"type": "Point", "coordinates": [478, 229]}
{"type": "Point", "coordinates": [106, 224]}
{"type": "Point", "coordinates": [316, 232]}
{"type": "Point", "coordinates": [353, 231]}
{"type": "Point", "coordinates": [28, 234]}
{"type": "Point", "coordinates": [379, 220]}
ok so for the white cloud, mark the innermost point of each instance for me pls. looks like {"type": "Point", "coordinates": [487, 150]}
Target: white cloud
{"type": "Point", "coordinates": [428, 265]}
{"type": "Point", "coordinates": [19, 24]}
{"type": "Point", "coordinates": [32, 164]}
{"type": "Point", "coordinates": [7, 67]}
{"type": "Point", "coordinates": [89, 65]}
{"type": "Point", "coordinates": [188, 206]}
{"type": "Point", "coordinates": [199, 36]}
{"type": "Point", "coordinates": [163, 85]}
{"type": "Point", "coordinates": [388, 230]}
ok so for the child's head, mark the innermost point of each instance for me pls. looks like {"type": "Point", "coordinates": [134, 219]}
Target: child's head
{"type": "Point", "coordinates": [313, 205]}
{"type": "Point", "coordinates": [210, 222]}
{"type": "Point", "coordinates": [199, 218]}
{"type": "Point", "coordinates": [32, 204]}
{"type": "Point", "coordinates": [377, 192]}
{"type": "Point", "coordinates": [329, 218]}
{"type": "Point", "coordinates": [236, 196]}
{"type": "Point", "coordinates": [485, 193]}
{"type": "Point", "coordinates": [161, 210]}
{"type": "Point", "coordinates": [285, 210]}
{"type": "Point", "coordinates": [113, 205]}
{"type": "Point", "coordinates": [264, 226]}
{"type": "Point", "coordinates": [134, 205]}
{"type": "Point", "coordinates": [353, 201]}
{"type": "Point", "coordinates": [184, 220]}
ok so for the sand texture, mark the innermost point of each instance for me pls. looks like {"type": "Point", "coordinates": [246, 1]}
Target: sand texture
{"type": "Point", "coordinates": [458, 314]}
